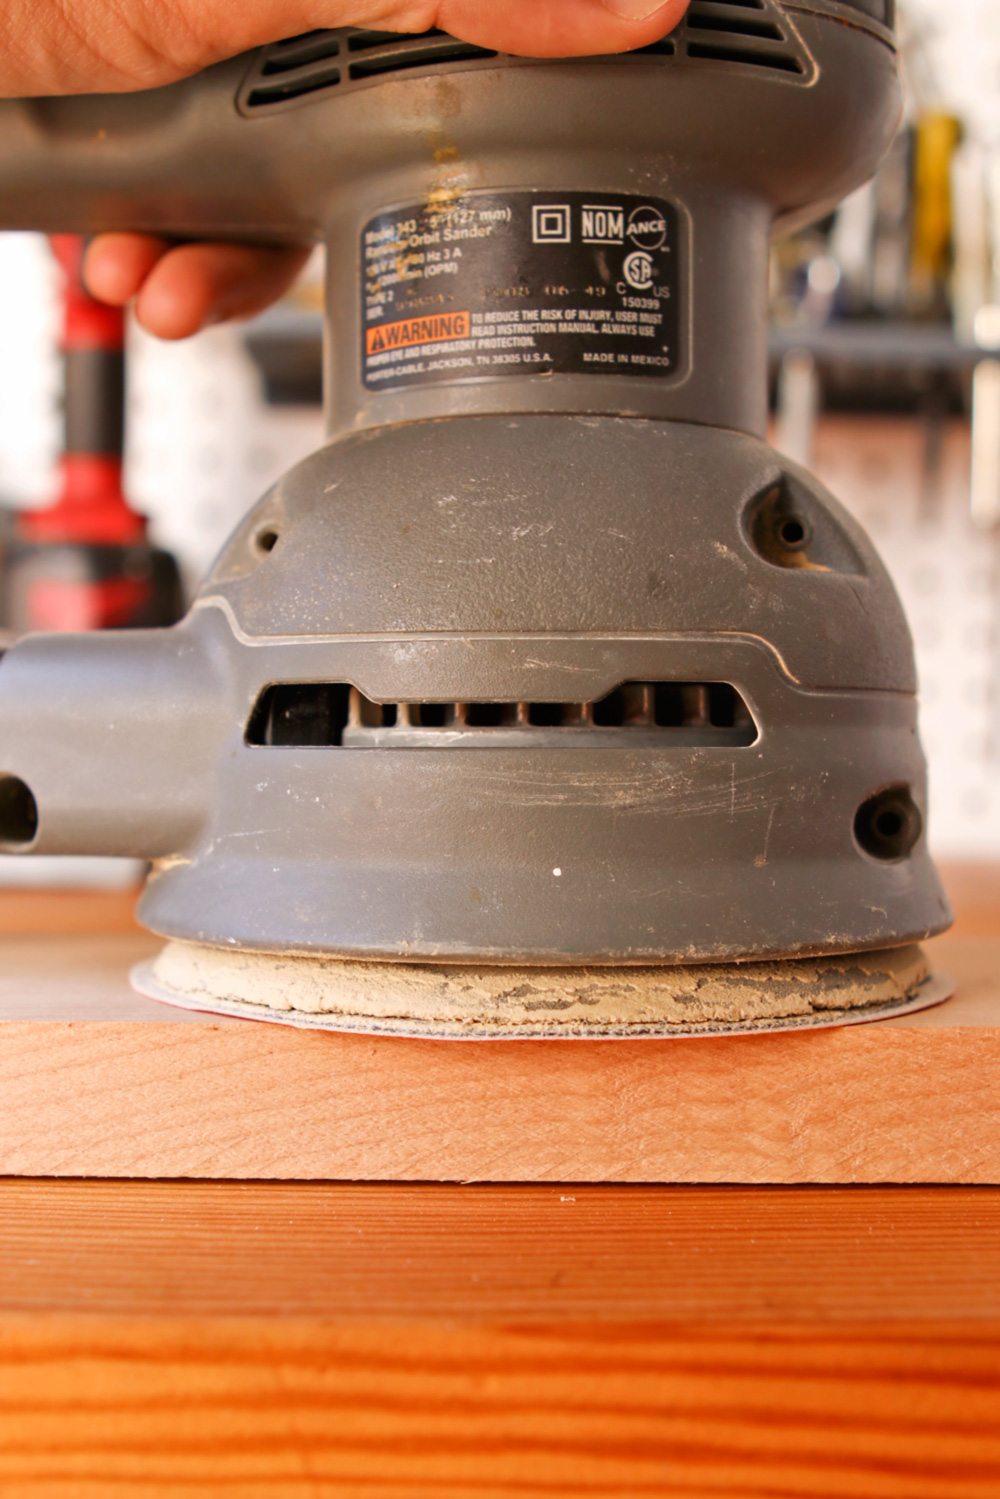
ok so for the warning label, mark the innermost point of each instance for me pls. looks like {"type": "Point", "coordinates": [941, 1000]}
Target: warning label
{"type": "Point", "coordinates": [418, 330]}
{"type": "Point", "coordinates": [494, 284]}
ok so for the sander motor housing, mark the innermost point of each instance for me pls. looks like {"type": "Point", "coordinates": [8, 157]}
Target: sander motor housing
{"type": "Point", "coordinates": [545, 657]}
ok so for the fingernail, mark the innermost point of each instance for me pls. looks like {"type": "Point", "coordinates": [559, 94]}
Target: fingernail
{"type": "Point", "coordinates": [635, 10]}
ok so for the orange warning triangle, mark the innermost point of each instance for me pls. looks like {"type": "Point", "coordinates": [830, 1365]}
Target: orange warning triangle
{"type": "Point", "coordinates": [377, 342]}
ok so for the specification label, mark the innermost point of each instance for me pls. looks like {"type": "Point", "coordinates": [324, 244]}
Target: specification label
{"type": "Point", "coordinates": [516, 283]}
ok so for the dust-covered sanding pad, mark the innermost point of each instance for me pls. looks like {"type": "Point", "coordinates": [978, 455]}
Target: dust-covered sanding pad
{"type": "Point", "coordinates": [481, 1003]}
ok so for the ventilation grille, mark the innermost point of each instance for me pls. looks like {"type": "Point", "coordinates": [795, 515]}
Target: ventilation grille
{"type": "Point", "coordinates": [288, 73]}
{"type": "Point", "coordinates": [740, 31]}
{"type": "Point", "coordinates": [636, 715]}
{"type": "Point", "coordinates": [321, 60]}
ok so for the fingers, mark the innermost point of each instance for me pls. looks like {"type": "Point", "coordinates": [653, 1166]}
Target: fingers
{"type": "Point", "coordinates": [94, 46]}
{"type": "Point", "coordinates": [178, 290]}
{"type": "Point", "coordinates": [116, 265]}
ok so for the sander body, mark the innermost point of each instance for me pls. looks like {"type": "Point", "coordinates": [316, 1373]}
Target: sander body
{"type": "Point", "coordinates": [545, 698]}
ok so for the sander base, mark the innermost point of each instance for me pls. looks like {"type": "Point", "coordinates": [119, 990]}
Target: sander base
{"type": "Point", "coordinates": [477, 1002]}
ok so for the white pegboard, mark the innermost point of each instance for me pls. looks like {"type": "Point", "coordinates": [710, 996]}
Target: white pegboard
{"type": "Point", "coordinates": [203, 445]}
{"type": "Point", "coordinates": [913, 499]}
{"type": "Point", "coordinates": [952, 50]}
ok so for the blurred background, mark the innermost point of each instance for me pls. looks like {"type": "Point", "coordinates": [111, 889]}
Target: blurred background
{"type": "Point", "coordinates": [885, 379]}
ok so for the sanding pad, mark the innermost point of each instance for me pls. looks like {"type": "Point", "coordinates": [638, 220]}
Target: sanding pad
{"type": "Point", "coordinates": [482, 1003]}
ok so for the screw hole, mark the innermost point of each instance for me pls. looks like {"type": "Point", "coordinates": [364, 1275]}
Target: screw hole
{"type": "Point", "coordinates": [265, 541]}
{"type": "Point", "coordinates": [888, 825]}
{"type": "Point", "coordinates": [792, 533]}
{"type": "Point", "coordinates": [18, 813]}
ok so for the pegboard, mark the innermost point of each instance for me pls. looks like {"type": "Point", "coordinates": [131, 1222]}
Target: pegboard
{"type": "Point", "coordinates": [203, 445]}
{"type": "Point", "coordinates": [908, 485]}
{"type": "Point", "coordinates": [952, 52]}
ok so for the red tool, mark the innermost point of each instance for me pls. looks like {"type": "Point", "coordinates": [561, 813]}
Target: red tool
{"type": "Point", "coordinates": [85, 563]}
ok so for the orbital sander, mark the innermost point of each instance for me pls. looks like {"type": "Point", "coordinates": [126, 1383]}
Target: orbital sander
{"type": "Point", "coordinates": [545, 699]}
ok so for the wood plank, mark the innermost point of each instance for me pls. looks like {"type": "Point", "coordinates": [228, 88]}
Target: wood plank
{"type": "Point", "coordinates": [274, 1340]}
{"type": "Point", "coordinates": [149, 1091]}
{"type": "Point", "coordinates": [27, 912]}
{"type": "Point", "coordinates": [444, 1254]}
{"type": "Point", "coordinates": [100, 1082]}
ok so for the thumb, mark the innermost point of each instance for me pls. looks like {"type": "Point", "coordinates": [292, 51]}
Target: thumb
{"type": "Point", "coordinates": [559, 28]}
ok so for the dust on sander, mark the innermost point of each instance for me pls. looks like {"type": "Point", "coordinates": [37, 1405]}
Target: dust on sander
{"type": "Point", "coordinates": [479, 1000]}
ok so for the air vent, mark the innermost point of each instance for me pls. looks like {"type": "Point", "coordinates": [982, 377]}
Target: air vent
{"type": "Point", "coordinates": [638, 715]}
{"type": "Point", "coordinates": [740, 25]}
{"type": "Point", "coordinates": [303, 66]}
{"type": "Point", "coordinates": [315, 46]}
{"type": "Point", "coordinates": [664, 48]}
{"type": "Point", "coordinates": [292, 70]}
{"type": "Point", "coordinates": [739, 31]}
{"type": "Point", "coordinates": [396, 61]}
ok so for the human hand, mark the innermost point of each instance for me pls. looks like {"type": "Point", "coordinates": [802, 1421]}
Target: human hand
{"type": "Point", "coordinates": [100, 46]}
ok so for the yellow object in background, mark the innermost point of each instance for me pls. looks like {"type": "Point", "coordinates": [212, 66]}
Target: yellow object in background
{"type": "Point", "coordinates": [937, 137]}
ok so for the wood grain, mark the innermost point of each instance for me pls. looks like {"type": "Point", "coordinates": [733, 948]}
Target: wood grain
{"type": "Point", "coordinates": [103, 1083]}
{"type": "Point", "coordinates": [272, 1340]}
{"type": "Point", "coordinates": [375, 1252]}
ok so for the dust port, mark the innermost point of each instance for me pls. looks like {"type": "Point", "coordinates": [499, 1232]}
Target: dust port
{"type": "Point", "coordinates": [18, 813]}
{"type": "Point", "coordinates": [888, 825]}
{"type": "Point", "coordinates": [265, 540]}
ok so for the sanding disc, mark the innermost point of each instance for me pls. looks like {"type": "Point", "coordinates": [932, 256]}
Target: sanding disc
{"type": "Point", "coordinates": [478, 1002]}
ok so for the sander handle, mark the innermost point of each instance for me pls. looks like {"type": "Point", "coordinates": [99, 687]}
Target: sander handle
{"type": "Point", "coordinates": [178, 161]}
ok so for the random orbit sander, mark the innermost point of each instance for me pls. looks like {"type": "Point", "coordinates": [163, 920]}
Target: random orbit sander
{"type": "Point", "coordinates": [545, 699]}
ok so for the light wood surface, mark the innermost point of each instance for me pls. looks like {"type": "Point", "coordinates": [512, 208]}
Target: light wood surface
{"type": "Point", "coordinates": [269, 1340]}
{"type": "Point", "coordinates": [97, 1081]}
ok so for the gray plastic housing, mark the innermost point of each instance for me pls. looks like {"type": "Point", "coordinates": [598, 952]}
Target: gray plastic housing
{"type": "Point", "coordinates": [524, 544]}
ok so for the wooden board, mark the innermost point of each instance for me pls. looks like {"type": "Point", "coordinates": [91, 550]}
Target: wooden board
{"type": "Point", "coordinates": [99, 1082]}
{"type": "Point", "coordinates": [331, 1341]}
{"type": "Point", "coordinates": [296, 1342]}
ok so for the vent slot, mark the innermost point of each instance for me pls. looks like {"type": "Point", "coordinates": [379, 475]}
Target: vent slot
{"type": "Point", "coordinates": [738, 25]}
{"type": "Point", "coordinates": [376, 63]}
{"type": "Point", "coordinates": [315, 46]}
{"type": "Point", "coordinates": [776, 60]}
{"type": "Point", "coordinates": [295, 86]}
{"type": "Point", "coordinates": [637, 715]}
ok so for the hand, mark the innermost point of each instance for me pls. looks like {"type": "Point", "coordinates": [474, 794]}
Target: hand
{"type": "Point", "coordinates": [99, 46]}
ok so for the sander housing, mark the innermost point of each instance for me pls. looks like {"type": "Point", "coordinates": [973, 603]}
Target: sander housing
{"type": "Point", "coordinates": [545, 657]}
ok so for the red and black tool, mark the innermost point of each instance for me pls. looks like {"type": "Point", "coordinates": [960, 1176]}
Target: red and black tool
{"type": "Point", "coordinates": [86, 563]}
